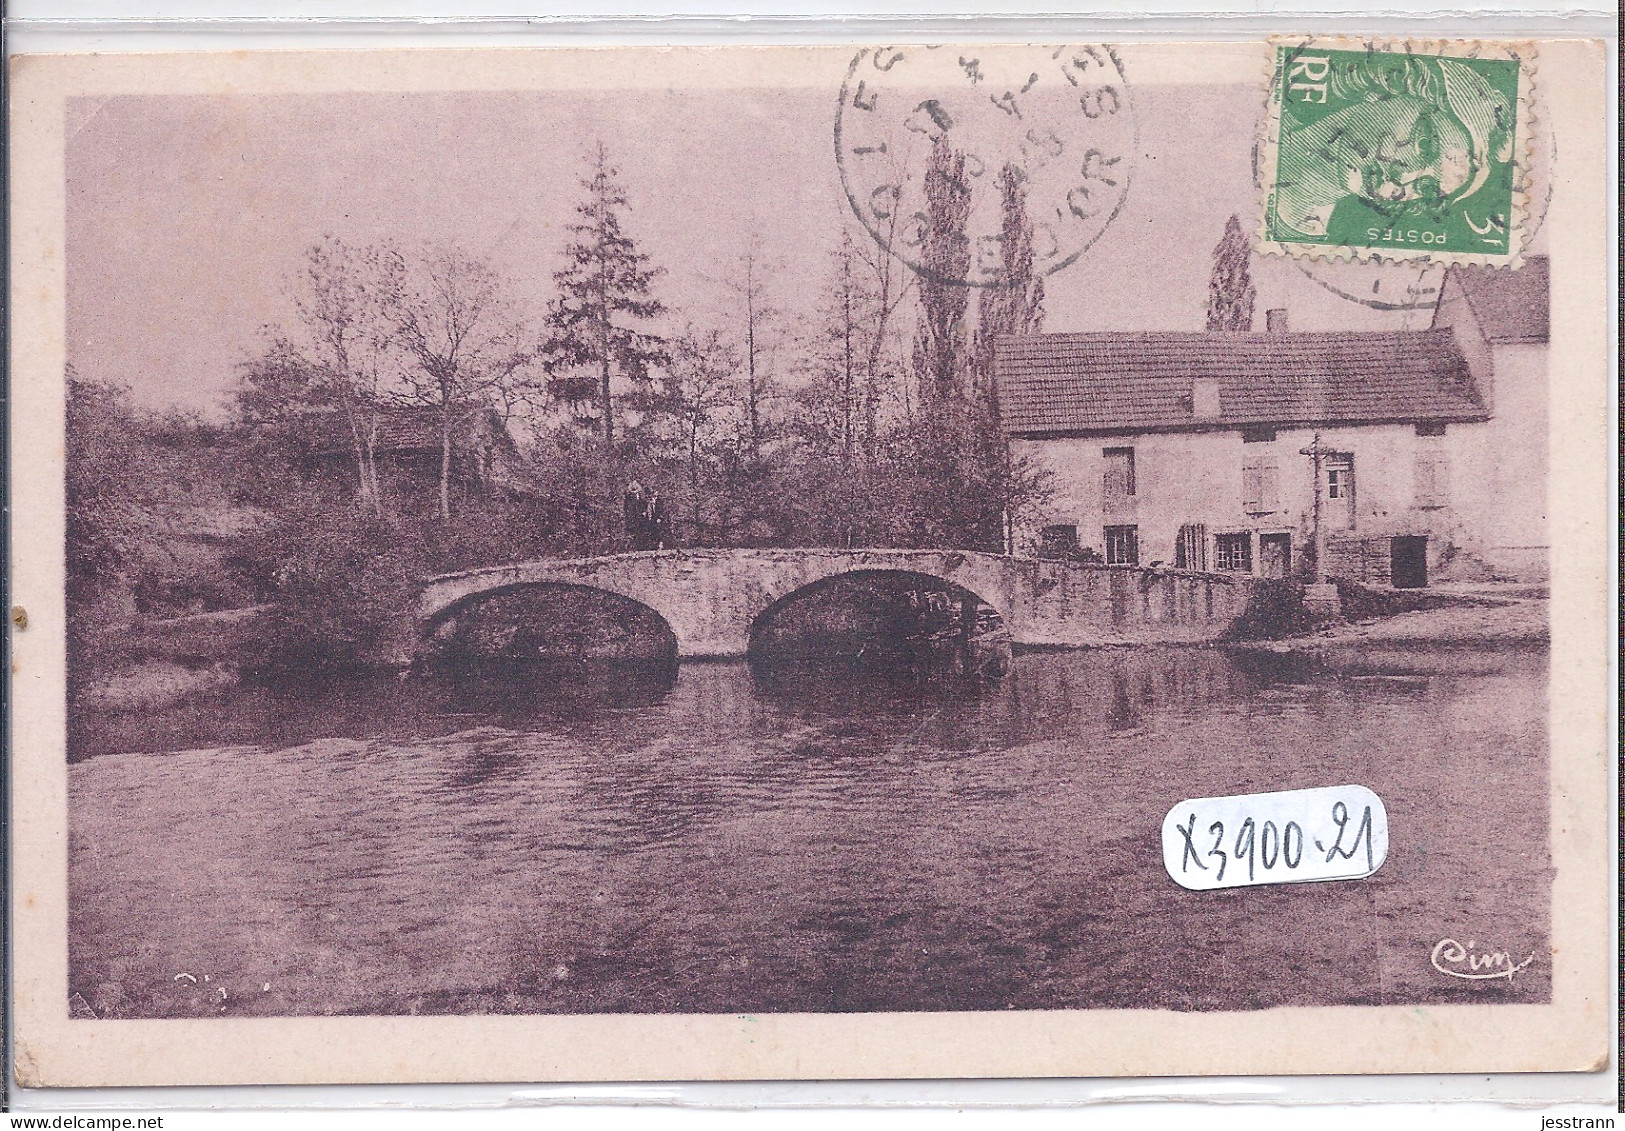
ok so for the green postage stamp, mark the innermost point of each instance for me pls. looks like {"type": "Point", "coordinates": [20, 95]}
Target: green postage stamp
{"type": "Point", "coordinates": [1403, 153]}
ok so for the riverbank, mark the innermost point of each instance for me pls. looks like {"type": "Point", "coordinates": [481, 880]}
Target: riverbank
{"type": "Point", "coordinates": [152, 686]}
{"type": "Point", "coordinates": [162, 663]}
{"type": "Point", "coordinates": [1478, 616]}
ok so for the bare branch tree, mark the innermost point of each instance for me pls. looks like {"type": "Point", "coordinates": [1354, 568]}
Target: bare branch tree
{"type": "Point", "coordinates": [337, 359]}
{"type": "Point", "coordinates": [700, 384]}
{"type": "Point", "coordinates": [748, 284]}
{"type": "Point", "coordinates": [455, 323]}
{"type": "Point", "coordinates": [892, 286]}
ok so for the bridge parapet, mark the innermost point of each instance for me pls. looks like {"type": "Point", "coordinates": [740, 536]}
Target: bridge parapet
{"type": "Point", "coordinates": [712, 599]}
{"type": "Point", "coordinates": [1073, 604]}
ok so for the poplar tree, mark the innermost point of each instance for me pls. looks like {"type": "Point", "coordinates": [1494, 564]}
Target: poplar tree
{"type": "Point", "coordinates": [1230, 292]}
{"type": "Point", "coordinates": [605, 297]}
{"type": "Point", "coordinates": [1014, 304]}
{"type": "Point", "coordinates": [996, 484]}
{"type": "Point", "coordinates": [939, 343]}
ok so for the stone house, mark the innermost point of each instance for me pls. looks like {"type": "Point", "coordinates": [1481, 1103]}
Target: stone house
{"type": "Point", "coordinates": [1415, 454]}
{"type": "Point", "coordinates": [1501, 321]}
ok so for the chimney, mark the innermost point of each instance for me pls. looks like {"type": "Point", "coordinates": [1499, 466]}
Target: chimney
{"type": "Point", "coordinates": [1275, 320]}
{"type": "Point", "coordinates": [1205, 398]}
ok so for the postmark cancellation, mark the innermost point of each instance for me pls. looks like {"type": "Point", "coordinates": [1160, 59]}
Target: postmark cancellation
{"type": "Point", "coordinates": [1058, 121]}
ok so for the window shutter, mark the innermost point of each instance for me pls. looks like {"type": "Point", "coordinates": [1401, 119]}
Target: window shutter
{"type": "Point", "coordinates": [1252, 495]}
{"type": "Point", "coordinates": [1424, 480]}
{"type": "Point", "coordinates": [1269, 496]}
{"type": "Point", "coordinates": [1119, 476]}
{"type": "Point", "coordinates": [1432, 479]}
{"type": "Point", "coordinates": [1190, 551]}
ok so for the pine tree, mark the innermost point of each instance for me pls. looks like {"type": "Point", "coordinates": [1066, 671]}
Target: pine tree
{"type": "Point", "coordinates": [939, 343]}
{"type": "Point", "coordinates": [1230, 293]}
{"type": "Point", "coordinates": [605, 295]}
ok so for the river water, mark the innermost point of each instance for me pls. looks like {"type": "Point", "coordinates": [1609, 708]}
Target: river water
{"type": "Point", "coordinates": [722, 837]}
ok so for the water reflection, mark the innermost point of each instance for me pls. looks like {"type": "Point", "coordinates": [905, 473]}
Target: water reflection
{"type": "Point", "coordinates": [1109, 691]}
{"type": "Point", "coordinates": [517, 692]}
{"type": "Point", "coordinates": [727, 837]}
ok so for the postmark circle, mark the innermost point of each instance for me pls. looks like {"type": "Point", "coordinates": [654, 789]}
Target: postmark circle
{"type": "Point", "coordinates": [1060, 119]}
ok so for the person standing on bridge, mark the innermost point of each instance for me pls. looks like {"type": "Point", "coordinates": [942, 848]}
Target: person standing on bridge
{"type": "Point", "coordinates": [645, 518]}
{"type": "Point", "coordinates": [656, 515]}
{"type": "Point", "coordinates": [636, 505]}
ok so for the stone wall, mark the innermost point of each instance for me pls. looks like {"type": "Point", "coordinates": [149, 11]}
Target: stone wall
{"type": "Point", "coordinates": [1070, 604]}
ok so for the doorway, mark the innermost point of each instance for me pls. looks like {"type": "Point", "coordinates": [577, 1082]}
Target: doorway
{"type": "Point", "coordinates": [1274, 555]}
{"type": "Point", "coordinates": [1408, 562]}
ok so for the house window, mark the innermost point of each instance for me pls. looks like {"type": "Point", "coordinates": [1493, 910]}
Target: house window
{"type": "Point", "coordinates": [1339, 509]}
{"type": "Point", "coordinates": [1234, 552]}
{"type": "Point", "coordinates": [1431, 485]}
{"type": "Point", "coordinates": [1259, 485]}
{"type": "Point", "coordinates": [1123, 545]}
{"type": "Point", "coordinates": [1430, 429]}
{"type": "Point", "coordinates": [1190, 551]}
{"type": "Point", "coordinates": [1257, 435]}
{"type": "Point", "coordinates": [1119, 478]}
{"type": "Point", "coordinates": [1058, 541]}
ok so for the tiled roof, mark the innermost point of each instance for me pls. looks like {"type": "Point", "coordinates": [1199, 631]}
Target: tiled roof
{"type": "Point", "coordinates": [1135, 382]}
{"type": "Point", "coordinates": [1510, 305]}
{"type": "Point", "coordinates": [408, 428]}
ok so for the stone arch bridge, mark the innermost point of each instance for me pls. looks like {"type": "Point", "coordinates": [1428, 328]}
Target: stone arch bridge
{"type": "Point", "coordinates": [713, 599]}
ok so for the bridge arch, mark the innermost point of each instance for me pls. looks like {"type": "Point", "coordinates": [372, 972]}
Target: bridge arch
{"type": "Point", "coordinates": [955, 590]}
{"type": "Point", "coordinates": [431, 623]}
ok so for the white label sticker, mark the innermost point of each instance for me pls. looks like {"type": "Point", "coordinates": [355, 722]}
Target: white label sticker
{"type": "Point", "coordinates": [1336, 833]}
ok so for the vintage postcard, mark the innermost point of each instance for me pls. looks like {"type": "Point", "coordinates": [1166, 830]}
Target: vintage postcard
{"type": "Point", "coordinates": [816, 562]}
